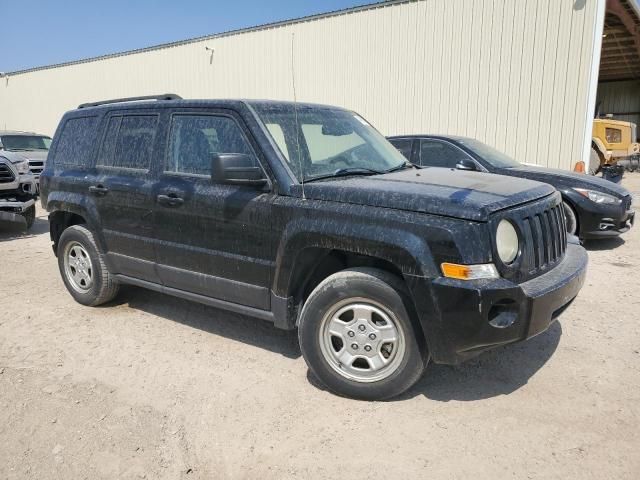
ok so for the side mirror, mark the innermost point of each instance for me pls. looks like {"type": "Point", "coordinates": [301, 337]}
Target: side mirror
{"type": "Point", "coordinates": [466, 164]}
{"type": "Point", "coordinates": [236, 169]}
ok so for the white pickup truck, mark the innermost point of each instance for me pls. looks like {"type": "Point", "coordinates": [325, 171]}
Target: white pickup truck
{"type": "Point", "coordinates": [18, 192]}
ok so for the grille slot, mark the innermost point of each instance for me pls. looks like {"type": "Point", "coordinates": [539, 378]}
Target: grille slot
{"type": "Point", "coordinates": [36, 166]}
{"type": "Point", "coordinates": [6, 175]}
{"type": "Point", "coordinates": [545, 239]}
{"type": "Point", "coordinates": [538, 244]}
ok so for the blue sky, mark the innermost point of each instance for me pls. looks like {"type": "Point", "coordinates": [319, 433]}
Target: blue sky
{"type": "Point", "coordinates": [43, 32]}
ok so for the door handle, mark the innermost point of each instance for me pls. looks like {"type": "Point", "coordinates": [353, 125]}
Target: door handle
{"type": "Point", "coordinates": [170, 200]}
{"type": "Point", "coordinates": [98, 190]}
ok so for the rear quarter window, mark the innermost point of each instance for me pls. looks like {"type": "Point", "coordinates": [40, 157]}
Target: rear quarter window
{"type": "Point", "coordinates": [77, 141]}
{"type": "Point", "coordinates": [128, 142]}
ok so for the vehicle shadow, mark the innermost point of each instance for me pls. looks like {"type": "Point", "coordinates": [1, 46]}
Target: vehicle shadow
{"type": "Point", "coordinates": [252, 331]}
{"type": "Point", "coordinates": [604, 244]}
{"type": "Point", "coordinates": [14, 232]}
{"type": "Point", "coordinates": [497, 372]}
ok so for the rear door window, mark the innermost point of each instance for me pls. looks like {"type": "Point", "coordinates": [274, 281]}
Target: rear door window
{"type": "Point", "coordinates": [77, 142]}
{"type": "Point", "coordinates": [128, 142]}
{"type": "Point", "coordinates": [434, 153]}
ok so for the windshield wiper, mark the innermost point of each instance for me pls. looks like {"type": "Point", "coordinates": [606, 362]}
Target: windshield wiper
{"type": "Point", "coordinates": [402, 166]}
{"type": "Point", "coordinates": [344, 172]}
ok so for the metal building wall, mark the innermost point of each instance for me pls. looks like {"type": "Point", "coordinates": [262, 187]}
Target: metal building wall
{"type": "Point", "coordinates": [622, 99]}
{"type": "Point", "coordinates": [517, 74]}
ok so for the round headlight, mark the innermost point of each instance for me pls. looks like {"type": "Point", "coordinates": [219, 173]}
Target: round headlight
{"type": "Point", "coordinates": [507, 241]}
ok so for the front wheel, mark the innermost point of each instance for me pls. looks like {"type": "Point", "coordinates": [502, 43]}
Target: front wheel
{"type": "Point", "coordinates": [30, 216]}
{"type": "Point", "coordinates": [571, 217]}
{"type": "Point", "coordinates": [358, 336]}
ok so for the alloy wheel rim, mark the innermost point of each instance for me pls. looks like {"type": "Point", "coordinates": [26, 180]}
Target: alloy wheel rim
{"type": "Point", "coordinates": [78, 267]}
{"type": "Point", "coordinates": [362, 340]}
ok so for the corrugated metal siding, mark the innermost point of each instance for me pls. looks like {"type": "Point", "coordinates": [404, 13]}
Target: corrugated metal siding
{"type": "Point", "coordinates": [621, 98]}
{"type": "Point", "coordinates": [515, 74]}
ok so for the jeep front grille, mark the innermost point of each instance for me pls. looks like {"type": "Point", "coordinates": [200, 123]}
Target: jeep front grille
{"type": "Point", "coordinates": [6, 175]}
{"type": "Point", "coordinates": [545, 236]}
{"type": "Point", "coordinates": [542, 231]}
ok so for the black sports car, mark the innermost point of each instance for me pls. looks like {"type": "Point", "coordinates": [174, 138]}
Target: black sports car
{"type": "Point", "coordinates": [594, 207]}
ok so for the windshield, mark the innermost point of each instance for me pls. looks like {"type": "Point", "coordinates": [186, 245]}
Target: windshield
{"type": "Point", "coordinates": [330, 142]}
{"type": "Point", "coordinates": [25, 142]}
{"type": "Point", "coordinates": [495, 157]}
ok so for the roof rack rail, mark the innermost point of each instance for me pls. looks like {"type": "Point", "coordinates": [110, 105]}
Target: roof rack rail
{"type": "Point", "coordinates": [166, 96]}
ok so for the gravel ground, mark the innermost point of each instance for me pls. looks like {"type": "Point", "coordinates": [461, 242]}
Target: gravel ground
{"type": "Point", "coordinates": [155, 387]}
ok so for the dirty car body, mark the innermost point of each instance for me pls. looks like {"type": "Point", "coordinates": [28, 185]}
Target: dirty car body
{"type": "Point", "coordinates": [596, 207]}
{"type": "Point", "coordinates": [306, 216]}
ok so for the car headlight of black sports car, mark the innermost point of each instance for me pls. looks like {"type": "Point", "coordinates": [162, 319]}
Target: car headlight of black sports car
{"type": "Point", "coordinates": [598, 197]}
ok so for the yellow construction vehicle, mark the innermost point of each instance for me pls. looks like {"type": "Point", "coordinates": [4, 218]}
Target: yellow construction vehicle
{"type": "Point", "coordinates": [612, 141]}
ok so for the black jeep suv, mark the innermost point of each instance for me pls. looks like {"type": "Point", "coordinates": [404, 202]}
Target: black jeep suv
{"type": "Point", "coordinates": [306, 216]}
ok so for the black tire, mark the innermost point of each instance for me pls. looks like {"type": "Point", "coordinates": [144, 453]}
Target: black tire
{"type": "Point", "coordinates": [370, 287]}
{"type": "Point", "coordinates": [103, 287]}
{"type": "Point", "coordinates": [572, 219]}
{"type": "Point", "coordinates": [595, 162]}
{"type": "Point", "coordinates": [30, 216]}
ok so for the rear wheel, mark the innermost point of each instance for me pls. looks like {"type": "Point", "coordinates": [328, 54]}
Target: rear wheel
{"type": "Point", "coordinates": [82, 267]}
{"type": "Point", "coordinates": [358, 336]}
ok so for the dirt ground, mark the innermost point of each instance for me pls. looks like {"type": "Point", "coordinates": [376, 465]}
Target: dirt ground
{"type": "Point", "coordinates": [155, 387]}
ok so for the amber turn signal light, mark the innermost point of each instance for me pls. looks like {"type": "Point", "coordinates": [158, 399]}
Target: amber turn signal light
{"type": "Point", "coordinates": [469, 272]}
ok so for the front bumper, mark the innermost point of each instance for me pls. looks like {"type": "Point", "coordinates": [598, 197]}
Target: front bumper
{"type": "Point", "coordinates": [12, 212]}
{"type": "Point", "coordinates": [605, 221]}
{"type": "Point", "coordinates": [464, 318]}
{"type": "Point", "coordinates": [29, 184]}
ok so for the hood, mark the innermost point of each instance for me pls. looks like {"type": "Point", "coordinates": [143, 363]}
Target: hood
{"type": "Point", "coordinates": [20, 156]}
{"type": "Point", "coordinates": [562, 179]}
{"type": "Point", "coordinates": [438, 191]}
